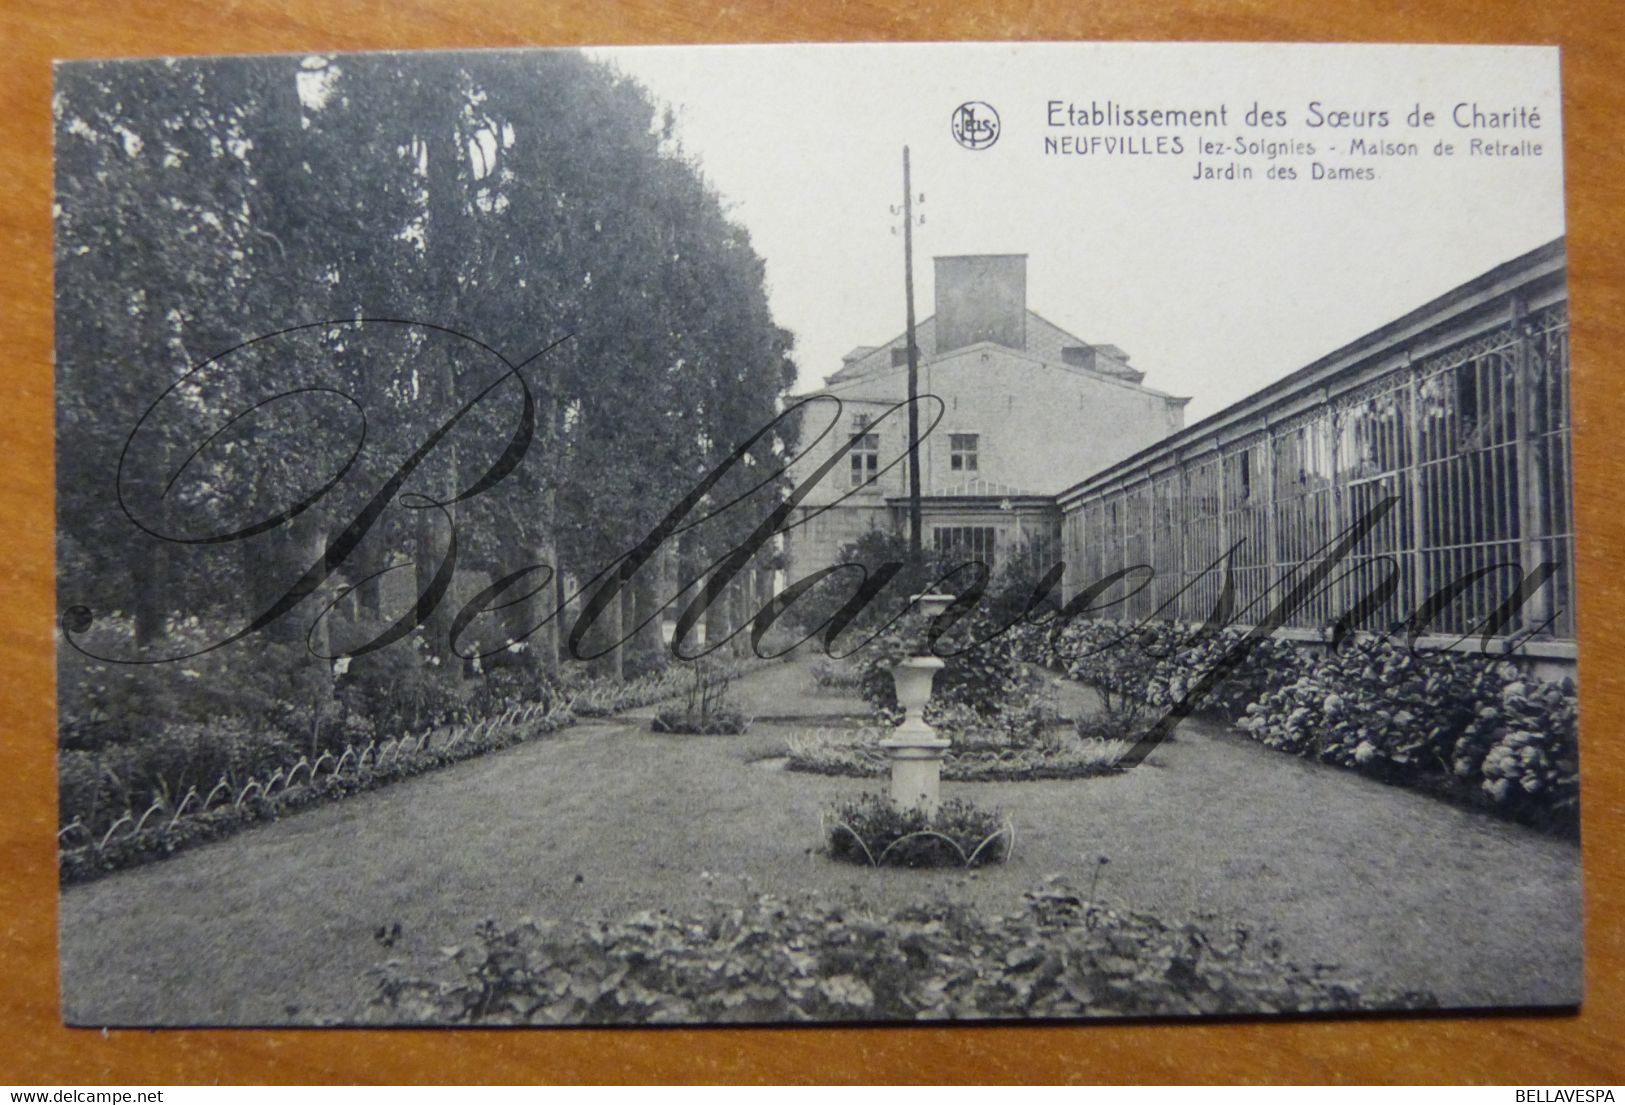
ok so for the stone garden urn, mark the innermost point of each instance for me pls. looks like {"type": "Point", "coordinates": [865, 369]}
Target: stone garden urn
{"type": "Point", "coordinates": [914, 748]}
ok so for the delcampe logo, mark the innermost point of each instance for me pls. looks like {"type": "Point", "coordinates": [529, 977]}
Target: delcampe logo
{"type": "Point", "coordinates": [975, 125]}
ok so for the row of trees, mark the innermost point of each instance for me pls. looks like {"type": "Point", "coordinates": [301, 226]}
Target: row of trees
{"type": "Point", "coordinates": [489, 206]}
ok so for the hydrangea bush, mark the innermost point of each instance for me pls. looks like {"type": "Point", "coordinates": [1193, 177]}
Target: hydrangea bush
{"type": "Point", "coordinates": [1160, 663]}
{"type": "Point", "coordinates": [1465, 725]}
{"type": "Point", "coordinates": [984, 682]}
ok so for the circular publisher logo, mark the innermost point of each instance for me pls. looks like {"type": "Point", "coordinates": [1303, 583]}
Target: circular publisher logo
{"type": "Point", "coordinates": [975, 125]}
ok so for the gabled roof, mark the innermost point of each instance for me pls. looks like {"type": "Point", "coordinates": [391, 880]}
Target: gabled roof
{"type": "Point", "coordinates": [1044, 341]}
{"type": "Point", "coordinates": [840, 381]}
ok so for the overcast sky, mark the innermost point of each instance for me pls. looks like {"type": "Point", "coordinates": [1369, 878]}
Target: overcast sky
{"type": "Point", "coordinates": [1214, 288]}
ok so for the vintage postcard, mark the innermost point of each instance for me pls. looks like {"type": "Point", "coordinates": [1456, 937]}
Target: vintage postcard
{"type": "Point", "coordinates": [814, 533]}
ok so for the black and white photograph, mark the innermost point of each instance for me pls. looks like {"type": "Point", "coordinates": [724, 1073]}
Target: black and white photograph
{"type": "Point", "coordinates": [805, 534]}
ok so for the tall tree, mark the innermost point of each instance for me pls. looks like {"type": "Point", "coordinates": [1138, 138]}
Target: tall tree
{"type": "Point", "coordinates": [514, 198]}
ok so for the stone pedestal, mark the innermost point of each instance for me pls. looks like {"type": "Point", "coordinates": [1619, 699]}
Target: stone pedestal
{"type": "Point", "coordinates": [915, 749]}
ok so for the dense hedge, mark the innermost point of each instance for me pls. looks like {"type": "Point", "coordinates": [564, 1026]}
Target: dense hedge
{"type": "Point", "coordinates": [1465, 725]}
{"type": "Point", "coordinates": [809, 959]}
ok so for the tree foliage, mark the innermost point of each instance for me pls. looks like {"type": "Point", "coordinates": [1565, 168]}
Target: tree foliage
{"type": "Point", "coordinates": [490, 205]}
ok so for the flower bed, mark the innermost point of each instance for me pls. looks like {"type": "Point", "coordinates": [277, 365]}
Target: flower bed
{"type": "Point", "coordinates": [194, 819]}
{"type": "Point", "coordinates": [859, 755]}
{"type": "Point", "coordinates": [724, 721]}
{"type": "Point", "coordinates": [154, 761]}
{"type": "Point", "coordinates": [982, 678]}
{"type": "Point", "coordinates": [602, 698]}
{"type": "Point", "coordinates": [872, 830]}
{"type": "Point", "coordinates": [1462, 725]}
{"type": "Point", "coordinates": [1466, 726]}
{"type": "Point", "coordinates": [999, 714]}
{"type": "Point", "coordinates": [1160, 663]}
{"type": "Point", "coordinates": [770, 959]}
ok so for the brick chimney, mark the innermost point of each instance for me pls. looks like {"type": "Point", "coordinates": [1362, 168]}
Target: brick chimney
{"type": "Point", "coordinates": [981, 297]}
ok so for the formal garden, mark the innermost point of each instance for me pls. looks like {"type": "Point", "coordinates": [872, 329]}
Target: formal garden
{"type": "Point", "coordinates": [372, 692]}
{"type": "Point", "coordinates": [715, 841]}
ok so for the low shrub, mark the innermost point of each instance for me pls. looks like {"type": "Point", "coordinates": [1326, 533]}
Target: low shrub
{"type": "Point", "coordinates": [403, 687]}
{"type": "Point", "coordinates": [283, 689]}
{"type": "Point", "coordinates": [644, 660]}
{"type": "Point", "coordinates": [1076, 759]}
{"type": "Point", "coordinates": [98, 787]}
{"type": "Point", "coordinates": [837, 675]}
{"type": "Point", "coordinates": [1022, 722]}
{"type": "Point", "coordinates": [873, 830]}
{"type": "Point", "coordinates": [705, 710]}
{"type": "Point", "coordinates": [810, 959]}
{"type": "Point", "coordinates": [510, 684]}
{"type": "Point", "coordinates": [160, 758]}
{"type": "Point", "coordinates": [1531, 763]}
{"type": "Point", "coordinates": [605, 698]}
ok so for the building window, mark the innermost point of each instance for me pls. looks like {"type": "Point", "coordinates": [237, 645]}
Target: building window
{"type": "Point", "coordinates": [962, 450]}
{"type": "Point", "coordinates": [964, 543]}
{"type": "Point", "coordinates": [865, 458]}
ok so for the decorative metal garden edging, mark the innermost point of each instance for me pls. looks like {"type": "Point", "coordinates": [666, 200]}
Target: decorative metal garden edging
{"type": "Point", "coordinates": [220, 811]}
{"type": "Point", "coordinates": [1007, 831]}
{"type": "Point", "coordinates": [129, 839]}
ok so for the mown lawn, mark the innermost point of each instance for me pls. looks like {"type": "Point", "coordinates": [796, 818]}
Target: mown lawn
{"type": "Point", "coordinates": [277, 924]}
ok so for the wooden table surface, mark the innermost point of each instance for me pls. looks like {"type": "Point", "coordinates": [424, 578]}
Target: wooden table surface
{"type": "Point", "coordinates": [1520, 1049]}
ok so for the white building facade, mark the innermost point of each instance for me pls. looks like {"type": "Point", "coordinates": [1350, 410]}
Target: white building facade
{"type": "Point", "coordinates": [1013, 410]}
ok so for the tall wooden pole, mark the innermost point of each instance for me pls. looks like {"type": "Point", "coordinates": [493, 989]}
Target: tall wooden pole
{"type": "Point", "coordinates": [913, 368]}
